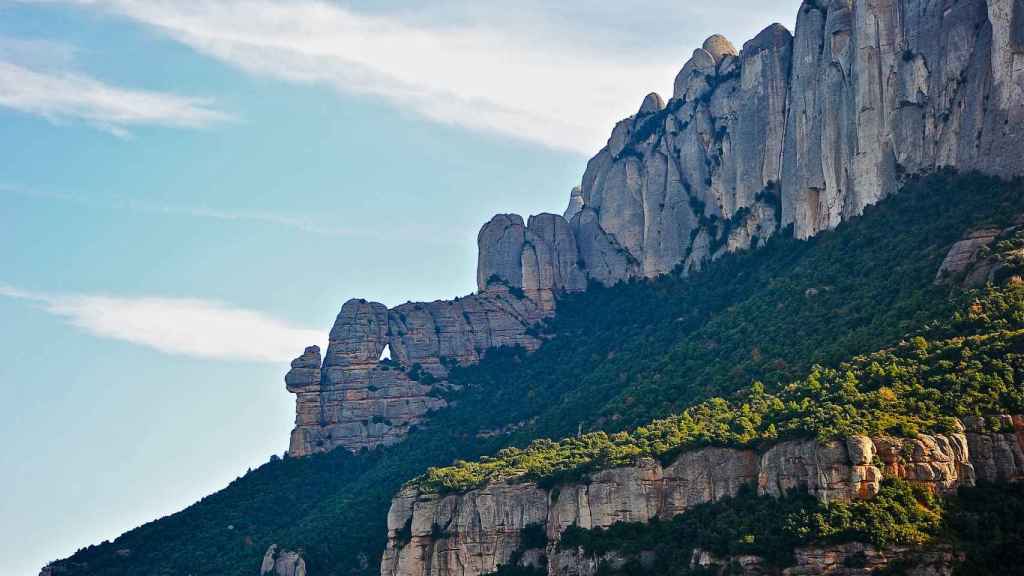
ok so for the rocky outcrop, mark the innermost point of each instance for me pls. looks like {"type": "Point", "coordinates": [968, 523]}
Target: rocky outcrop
{"type": "Point", "coordinates": [975, 260]}
{"type": "Point", "coordinates": [681, 182]}
{"type": "Point", "coordinates": [278, 562]}
{"type": "Point", "coordinates": [357, 399]}
{"type": "Point", "coordinates": [539, 258]}
{"type": "Point", "coordinates": [473, 533]}
{"type": "Point", "coordinates": [841, 471]}
{"type": "Point", "coordinates": [575, 203]}
{"type": "Point", "coordinates": [963, 255]}
{"type": "Point", "coordinates": [889, 87]}
{"type": "Point", "coordinates": [997, 447]}
{"type": "Point", "coordinates": [803, 130]}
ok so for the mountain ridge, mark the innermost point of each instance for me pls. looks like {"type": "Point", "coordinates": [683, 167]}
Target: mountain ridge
{"type": "Point", "coordinates": [800, 130]}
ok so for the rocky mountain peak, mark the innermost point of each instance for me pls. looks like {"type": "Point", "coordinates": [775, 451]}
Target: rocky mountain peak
{"type": "Point", "coordinates": [652, 103]}
{"type": "Point", "coordinates": [719, 47]}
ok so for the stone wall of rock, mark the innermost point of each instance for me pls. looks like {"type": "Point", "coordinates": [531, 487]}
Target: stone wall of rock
{"type": "Point", "coordinates": [473, 533]}
{"type": "Point", "coordinates": [803, 130]}
{"type": "Point", "coordinates": [540, 257]}
{"type": "Point", "coordinates": [355, 400]}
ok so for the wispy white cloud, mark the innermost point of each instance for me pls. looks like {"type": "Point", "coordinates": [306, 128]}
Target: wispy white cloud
{"type": "Point", "coordinates": [35, 79]}
{"type": "Point", "coordinates": [476, 75]}
{"type": "Point", "coordinates": [179, 326]}
{"type": "Point", "coordinates": [557, 73]}
{"type": "Point", "coordinates": [37, 53]}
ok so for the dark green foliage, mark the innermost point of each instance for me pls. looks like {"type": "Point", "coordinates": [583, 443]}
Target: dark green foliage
{"type": "Point", "coordinates": [513, 290]}
{"type": "Point", "coordinates": [918, 386]}
{"type": "Point", "coordinates": [764, 526]}
{"type": "Point", "coordinates": [987, 524]}
{"type": "Point", "coordinates": [532, 536]}
{"type": "Point", "coordinates": [697, 207]}
{"type": "Point", "coordinates": [646, 126]}
{"type": "Point", "coordinates": [984, 524]}
{"type": "Point", "coordinates": [418, 374]}
{"type": "Point", "coordinates": [404, 535]}
{"type": "Point", "coordinates": [619, 357]}
{"type": "Point", "coordinates": [437, 532]}
{"type": "Point", "coordinates": [639, 350]}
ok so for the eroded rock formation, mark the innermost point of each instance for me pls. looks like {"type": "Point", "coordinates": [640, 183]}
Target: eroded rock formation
{"type": "Point", "coordinates": [278, 562]}
{"type": "Point", "coordinates": [356, 400]}
{"type": "Point", "coordinates": [803, 131]}
{"type": "Point", "coordinates": [473, 533]}
{"type": "Point", "coordinates": [540, 257]}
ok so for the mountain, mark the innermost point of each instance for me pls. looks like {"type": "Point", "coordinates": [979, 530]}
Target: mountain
{"type": "Point", "coordinates": [796, 130]}
{"type": "Point", "coordinates": [810, 199]}
{"type": "Point", "coordinates": [613, 359]}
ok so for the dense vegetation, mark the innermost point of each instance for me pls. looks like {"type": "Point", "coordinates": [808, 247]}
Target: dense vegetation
{"type": "Point", "coordinates": [919, 386]}
{"type": "Point", "coordinates": [616, 358]}
{"type": "Point", "coordinates": [985, 523]}
{"type": "Point", "coordinates": [747, 524]}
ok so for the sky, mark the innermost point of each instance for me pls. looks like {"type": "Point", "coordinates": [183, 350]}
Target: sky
{"type": "Point", "coordinates": [190, 189]}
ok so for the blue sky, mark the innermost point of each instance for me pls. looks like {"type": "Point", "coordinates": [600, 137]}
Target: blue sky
{"type": "Point", "coordinates": [189, 190]}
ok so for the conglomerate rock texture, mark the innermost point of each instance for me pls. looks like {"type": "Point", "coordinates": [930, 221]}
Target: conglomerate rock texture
{"type": "Point", "coordinates": [801, 130]}
{"type": "Point", "coordinates": [472, 533]}
{"type": "Point", "coordinates": [355, 399]}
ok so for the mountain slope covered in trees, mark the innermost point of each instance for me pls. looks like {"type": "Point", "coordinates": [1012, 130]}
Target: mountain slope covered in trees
{"type": "Point", "coordinates": [616, 357]}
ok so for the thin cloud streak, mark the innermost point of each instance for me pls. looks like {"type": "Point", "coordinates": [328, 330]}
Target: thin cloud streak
{"type": "Point", "coordinates": [177, 326]}
{"type": "Point", "coordinates": [61, 96]}
{"type": "Point", "coordinates": [442, 236]}
{"type": "Point", "coordinates": [475, 76]}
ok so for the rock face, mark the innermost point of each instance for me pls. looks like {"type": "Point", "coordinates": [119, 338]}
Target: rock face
{"type": "Point", "coordinates": [278, 562]}
{"type": "Point", "coordinates": [539, 258]}
{"type": "Point", "coordinates": [473, 533]}
{"type": "Point", "coordinates": [357, 400]}
{"type": "Point", "coordinates": [963, 255]}
{"type": "Point", "coordinates": [802, 130]}
{"type": "Point", "coordinates": [997, 448]}
{"type": "Point", "coordinates": [883, 88]}
{"type": "Point", "coordinates": [972, 262]}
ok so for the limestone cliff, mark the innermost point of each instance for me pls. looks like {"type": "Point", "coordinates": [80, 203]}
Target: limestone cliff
{"type": "Point", "coordinates": [356, 399]}
{"type": "Point", "coordinates": [473, 533]}
{"type": "Point", "coordinates": [801, 130]}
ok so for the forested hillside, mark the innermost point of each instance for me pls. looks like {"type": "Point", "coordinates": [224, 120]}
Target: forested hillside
{"type": "Point", "coordinates": [618, 357]}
